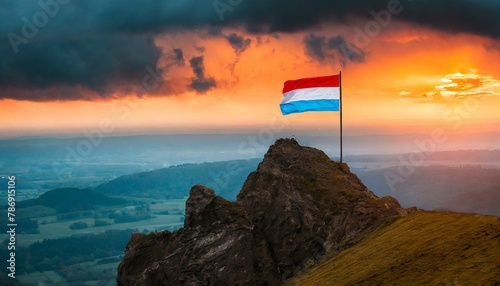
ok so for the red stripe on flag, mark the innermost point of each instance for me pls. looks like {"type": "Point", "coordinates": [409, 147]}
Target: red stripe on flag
{"type": "Point", "coordinates": [322, 81]}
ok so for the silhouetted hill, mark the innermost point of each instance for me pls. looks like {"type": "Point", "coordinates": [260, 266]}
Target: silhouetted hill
{"type": "Point", "coordinates": [472, 189]}
{"type": "Point", "coordinates": [477, 156]}
{"type": "Point", "coordinates": [174, 182]}
{"type": "Point", "coordinates": [71, 199]}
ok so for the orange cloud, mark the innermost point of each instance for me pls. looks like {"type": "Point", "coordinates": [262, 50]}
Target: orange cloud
{"type": "Point", "coordinates": [402, 65]}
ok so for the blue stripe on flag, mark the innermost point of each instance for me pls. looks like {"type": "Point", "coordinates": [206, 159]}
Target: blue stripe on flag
{"type": "Point", "coordinates": [310, 105]}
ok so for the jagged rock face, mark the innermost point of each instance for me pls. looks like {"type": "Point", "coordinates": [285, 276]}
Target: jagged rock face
{"type": "Point", "coordinates": [307, 206]}
{"type": "Point", "coordinates": [199, 198]}
{"type": "Point", "coordinates": [297, 207]}
{"type": "Point", "coordinates": [214, 248]}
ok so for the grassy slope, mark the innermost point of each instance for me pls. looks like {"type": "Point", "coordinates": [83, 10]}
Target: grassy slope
{"type": "Point", "coordinates": [423, 248]}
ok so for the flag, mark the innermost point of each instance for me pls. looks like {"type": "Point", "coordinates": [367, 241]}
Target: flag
{"type": "Point", "coordinates": [311, 94]}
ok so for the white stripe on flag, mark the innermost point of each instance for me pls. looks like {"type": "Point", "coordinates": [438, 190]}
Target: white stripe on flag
{"type": "Point", "coordinates": [313, 93]}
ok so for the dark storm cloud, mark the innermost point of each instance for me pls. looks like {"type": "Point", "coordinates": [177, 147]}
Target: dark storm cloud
{"type": "Point", "coordinates": [476, 17]}
{"type": "Point", "coordinates": [154, 16]}
{"type": "Point", "coordinates": [468, 16]}
{"type": "Point", "coordinates": [93, 62]}
{"type": "Point", "coordinates": [315, 46]}
{"type": "Point", "coordinates": [322, 48]}
{"type": "Point", "coordinates": [347, 51]}
{"type": "Point", "coordinates": [179, 56]}
{"type": "Point", "coordinates": [96, 44]}
{"type": "Point", "coordinates": [198, 66]}
{"type": "Point", "coordinates": [200, 82]}
{"type": "Point", "coordinates": [238, 43]}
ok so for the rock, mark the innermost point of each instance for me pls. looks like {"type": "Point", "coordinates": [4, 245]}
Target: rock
{"type": "Point", "coordinates": [297, 208]}
{"type": "Point", "coordinates": [214, 248]}
{"type": "Point", "coordinates": [199, 198]}
{"type": "Point", "coordinates": [308, 206]}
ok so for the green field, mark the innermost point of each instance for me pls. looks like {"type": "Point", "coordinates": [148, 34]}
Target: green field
{"type": "Point", "coordinates": [164, 215]}
{"type": "Point", "coordinates": [50, 228]}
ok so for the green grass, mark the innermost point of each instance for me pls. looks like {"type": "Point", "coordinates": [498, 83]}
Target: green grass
{"type": "Point", "coordinates": [53, 229]}
{"type": "Point", "coordinates": [61, 229]}
{"type": "Point", "coordinates": [423, 248]}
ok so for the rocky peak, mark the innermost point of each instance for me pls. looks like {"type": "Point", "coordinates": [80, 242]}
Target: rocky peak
{"type": "Point", "coordinates": [308, 206]}
{"type": "Point", "coordinates": [296, 208]}
{"type": "Point", "coordinates": [199, 197]}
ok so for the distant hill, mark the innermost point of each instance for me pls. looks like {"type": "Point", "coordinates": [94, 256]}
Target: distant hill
{"type": "Point", "coordinates": [226, 177]}
{"type": "Point", "coordinates": [71, 199]}
{"type": "Point", "coordinates": [471, 189]}
{"type": "Point", "coordinates": [456, 156]}
{"type": "Point", "coordinates": [423, 248]}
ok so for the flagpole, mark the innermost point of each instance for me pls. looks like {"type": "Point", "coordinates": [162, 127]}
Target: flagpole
{"type": "Point", "coordinates": [340, 97]}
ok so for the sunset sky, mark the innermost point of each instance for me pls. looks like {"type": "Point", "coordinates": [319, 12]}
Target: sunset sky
{"type": "Point", "coordinates": [206, 66]}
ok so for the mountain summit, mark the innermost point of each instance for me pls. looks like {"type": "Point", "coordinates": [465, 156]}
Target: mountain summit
{"type": "Point", "coordinates": [297, 208]}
